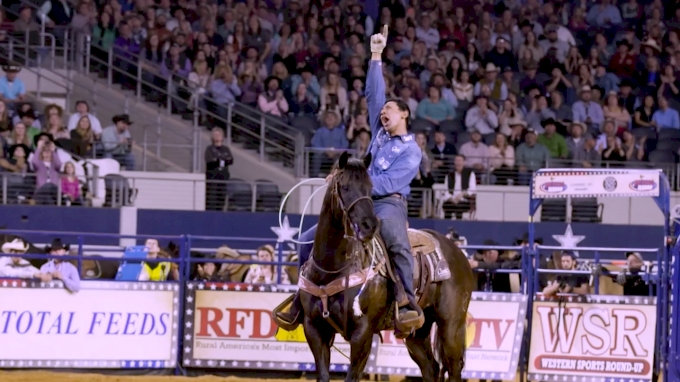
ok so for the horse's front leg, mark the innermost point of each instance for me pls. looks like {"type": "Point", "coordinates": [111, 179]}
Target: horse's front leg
{"type": "Point", "coordinates": [360, 350]}
{"type": "Point", "coordinates": [319, 336]}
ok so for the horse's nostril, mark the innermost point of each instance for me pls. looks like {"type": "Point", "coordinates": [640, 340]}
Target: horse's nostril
{"type": "Point", "coordinates": [367, 224]}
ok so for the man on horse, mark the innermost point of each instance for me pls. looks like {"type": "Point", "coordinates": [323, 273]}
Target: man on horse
{"type": "Point", "coordinates": [396, 162]}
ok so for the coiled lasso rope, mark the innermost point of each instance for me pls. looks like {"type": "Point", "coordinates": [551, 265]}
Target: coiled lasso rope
{"type": "Point", "coordinates": [304, 211]}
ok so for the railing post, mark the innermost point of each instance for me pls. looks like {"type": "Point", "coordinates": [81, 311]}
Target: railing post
{"type": "Point", "coordinates": [144, 145]}
{"type": "Point", "coordinates": [230, 110]}
{"type": "Point", "coordinates": [109, 70]}
{"type": "Point", "coordinates": [262, 135]}
{"type": "Point", "coordinates": [197, 138]}
{"type": "Point", "coordinates": [4, 189]}
{"type": "Point", "coordinates": [253, 200]}
{"type": "Point", "coordinates": [169, 106]}
{"type": "Point", "coordinates": [26, 44]}
{"type": "Point", "coordinates": [10, 46]}
{"type": "Point", "coordinates": [67, 38]}
{"type": "Point", "coordinates": [88, 53]}
{"type": "Point", "coordinates": [81, 242]}
{"type": "Point", "coordinates": [158, 134]}
{"type": "Point", "coordinates": [139, 81]}
{"type": "Point", "coordinates": [95, 181]}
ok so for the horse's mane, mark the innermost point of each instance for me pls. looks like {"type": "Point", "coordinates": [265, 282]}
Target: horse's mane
{"type": "Point", "coordinates": [354, 171]}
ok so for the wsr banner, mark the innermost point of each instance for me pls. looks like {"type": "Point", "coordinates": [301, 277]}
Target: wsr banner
{"type": "Point", "coordinates": [593, 338]}
{"type": "Point", "coordinates": [495, 326]}
{"type": "Point", "coordinates": [104, 325]}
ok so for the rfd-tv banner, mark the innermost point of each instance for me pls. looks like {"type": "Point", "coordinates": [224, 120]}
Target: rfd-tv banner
{"type": "Point", "coordinates": [231, 326]}
{"type": "Point", "coordinates": [592, 338]}
{"type": "Point", "coordinates": [104, 325]}
{"type": "Point", "coordinates": [495, 327]}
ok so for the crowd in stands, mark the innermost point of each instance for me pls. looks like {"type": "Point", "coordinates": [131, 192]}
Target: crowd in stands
{"type": "Point", "coordinates": [510, 86]}
{"type": "Point", "coordinates": [40, 149]}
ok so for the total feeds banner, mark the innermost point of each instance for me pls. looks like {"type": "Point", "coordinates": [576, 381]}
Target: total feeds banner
{"type": "Point", "coordinates": [593, 338]}
{"type": "Point", "coordinates": [231, 327]}
{"type": "Point", "coordinates": [104, 325]}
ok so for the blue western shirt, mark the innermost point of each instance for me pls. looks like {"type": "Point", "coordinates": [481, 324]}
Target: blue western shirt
{"type": "Point", "coordinates": [396, 159]}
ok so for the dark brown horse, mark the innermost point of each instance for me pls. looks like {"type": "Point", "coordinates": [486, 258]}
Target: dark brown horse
{"type": "Point", "coordinates": [347, 225]}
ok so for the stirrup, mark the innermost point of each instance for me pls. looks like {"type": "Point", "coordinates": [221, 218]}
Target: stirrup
{"type": "Point", "coordinates": [403, 329]}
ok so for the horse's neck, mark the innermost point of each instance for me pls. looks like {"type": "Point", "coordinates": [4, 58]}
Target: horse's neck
{"type": "Point", "coordinates": [330, 243]}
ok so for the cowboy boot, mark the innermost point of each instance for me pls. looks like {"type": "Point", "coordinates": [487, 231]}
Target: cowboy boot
{"type": "Point", "coordinates": [409, 316]}
{"type": "Point", "coordinates": [289, 320]}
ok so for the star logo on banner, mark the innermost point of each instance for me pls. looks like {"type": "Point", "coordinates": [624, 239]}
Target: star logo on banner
{"type": "Point", "coordinates": [285, 232]}
{"type": "Point", "coordinates": [569, 240]}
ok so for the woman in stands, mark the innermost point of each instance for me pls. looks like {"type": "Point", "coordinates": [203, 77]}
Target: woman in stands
{"type": "Point", "coordinates": [82, 137]}
{"type": "Point", "coordinates": [70, 186]}
{"type": "Point", "coordinates": [265, 273]}
{"type": "Point", "coordinates": [57, 128]}
{"type": "Point", "coordinates": [19, 136]}
{"type": "Point", "coordinates": [46, 165]}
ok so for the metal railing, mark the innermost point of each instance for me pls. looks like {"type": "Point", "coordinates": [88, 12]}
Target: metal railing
{"type": "Point", "coordinates": [20, 188]}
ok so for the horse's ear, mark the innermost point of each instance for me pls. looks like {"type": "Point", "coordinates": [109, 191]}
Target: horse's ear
{"type": "Point", "coordinates": [342, 163]}
{"type": "Point", "coordinates": [367, 160]}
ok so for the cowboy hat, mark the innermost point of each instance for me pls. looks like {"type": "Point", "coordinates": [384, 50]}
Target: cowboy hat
{"type": "Point", "coordinates": [525, 239]}
{"type": "Point", "coordinates": [57, 244]}
{"type": "Point", "coordinates": [490, 67]}
{"type": "Point", "coordinates": [652, 44]}
{"type": "Point", "coordinates": [11, 68]}
{"type": "Point", "coordinates": [15, 245]}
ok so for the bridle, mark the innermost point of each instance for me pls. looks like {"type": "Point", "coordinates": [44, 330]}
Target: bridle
{"type": "Point", "coordinates": [350, 232]}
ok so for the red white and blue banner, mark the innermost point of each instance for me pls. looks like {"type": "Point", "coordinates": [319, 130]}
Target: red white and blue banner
{"type": "Point", "coordinates": [107, 324]}
{"type": "Point", "coordinates": [230, 326]}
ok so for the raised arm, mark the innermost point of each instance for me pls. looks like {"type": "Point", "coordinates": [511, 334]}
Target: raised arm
{"type": "Point", "coordinates": [375, 83]}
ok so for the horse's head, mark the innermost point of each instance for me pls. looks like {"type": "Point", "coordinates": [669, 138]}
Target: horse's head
{"type": "Point", "coordinates": [352, 187]}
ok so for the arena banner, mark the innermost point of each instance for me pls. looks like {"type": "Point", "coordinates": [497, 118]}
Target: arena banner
{"type": "Point", "coordinates": [106, 324]}
{"type": "Point", "coordinates": [558, 183]}
{"type": "Point", "coordinates": [495, 327]}
{"type": "Point", "coordinates": [592, 339]}
{"type": "Point", "coordinates": [231, 326]}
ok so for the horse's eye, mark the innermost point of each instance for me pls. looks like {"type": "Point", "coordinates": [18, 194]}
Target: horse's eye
{"type": "Point", "coordinates": [345, 188]}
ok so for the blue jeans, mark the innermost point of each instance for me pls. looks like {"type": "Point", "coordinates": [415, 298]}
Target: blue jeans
{"type": "Point", "coordinates": [126, 160]}
{"type": "Point", "coordinates": [392, 214]}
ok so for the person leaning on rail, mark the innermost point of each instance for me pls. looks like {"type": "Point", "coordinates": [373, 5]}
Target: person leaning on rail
{"type": "Point", "coordinates": [15, 266]}
{"type": "Point", "coordinates": [59, 269]}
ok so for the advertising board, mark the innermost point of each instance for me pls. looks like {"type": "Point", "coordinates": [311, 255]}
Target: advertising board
{"type": "Point", "coordinates": [230, 326]}
{"type": "Point", "coordinates": [592, 338]}
{"type": "Point", "coordinates": [495, 327]}
{"type": "Point", "coordinates": [559, 183]}
{"type": "Point", "coordinates": [106, 324]}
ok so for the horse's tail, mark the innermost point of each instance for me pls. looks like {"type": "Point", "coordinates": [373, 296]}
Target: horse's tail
{"type": "Point", "coordinates": [438, 351]}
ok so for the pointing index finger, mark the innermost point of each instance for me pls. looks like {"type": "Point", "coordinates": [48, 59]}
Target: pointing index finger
{"type": "Point", "coordinates": [384, 32]}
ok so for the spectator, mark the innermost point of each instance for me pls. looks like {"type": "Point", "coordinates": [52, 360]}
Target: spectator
{"type": "Point", "coordinates": [333, 95]}
{"type": "Point", "coordinates": [587, 156]}
{"type": "Point", "coordinates": [56, 128]}
{"type": "Point", "coordinates": [587, 111]}
{"type": "Point", "coordinates": [70, 186]}
{"type": "Point", "coordinates": [613, 152]}
{"type": "Point", "coordinates": [46, 165]}
{"type": "Point", "coordinates": [575, 141]}
{"type": "Point", "coordinates": [488, 260]}
{"type": "Point", "coordinates": [501, 160]}
{"type": "Point", "coordinates": [480, 118]}
{"type": "Point", "coordinates": [434, 108]}
{"type": "Point", "coordinates": [476, 152]}
{"type": "Point", "coordinates": [643, 116]}
{"type": "Point", "coordinates": [83, 110]}
{"type": "Point", "coordinates": [631, 279]}
{"type": "Point", "coordinates": [499, 91]}
{"type": "Point", "coordinates": [568, 283]}
{"type": "Point", "coordinates": [82, 137]}
{"type": "Point", "coordinates": [539, 113]}
{"type": "Point", "coordinates": [556, 144]}
{"type": "Point", "coordinates": [665, 117]}
{"type": "Point", "coordinates": [218, 158]}
{"type": "Point", "coordinates": [462, 88]}
{"type": "Point", "coordinates": [562, 111]}
{"type": "Point", "coordinates": [25, 22]}
{"type": "Point", "coordinates": [59, 269]}
{"type": "Point", "coordinates": [19, 136]}
{"type": "Point", "coordinates": [302, 102]}
{"type": "Point", "coordinates": [12, 89]}
{"type": "Point", "coordinates": [613, 110]}
{"type": "Point", "coordinates": [311, 82]}
{"type": "Point", "coordinates": [56, 13]}
{"type": "Point", "coordinates": [462, 184]}
{"type": "Point", "coordinates": [443, 153]}
{"type": "Point", "coordinates": [265, 273]}
{"type": "Point", "coordinates": [328, 141]}
{"type": "Point", "coordinates": [117, 141]}
{"type": "Point", "coordinates": [155, 270]}
{"type": "Point", "coordinates": [272, 100]}
{"type": "Point", "coordinates": [530, 156]}
{"type": "Point", "coordinates": [5, 120]}
{"type": "Point", "coordinates": [16, 266]}
{"type": "Point", "coordinates": [126, 50]}
{"type": "Point", "coordinates": [207, 272]}
{"type": "Point", "coordinates": [198, 81]}
{"type": "Point", "coordinates": [224, 88]}
{"type": "Point", "coordinates": [424, 177]}
{"type": "Point", "coordinates": [633, 148]}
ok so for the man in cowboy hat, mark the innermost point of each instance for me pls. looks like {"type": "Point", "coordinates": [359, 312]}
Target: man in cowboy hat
{"type": "Point", "coordinates": [12, 89]}
{"type": "Point", "coordinates": [499, 91]}
{"type": "Point", "coordinates": [59, 269]}
{"type": "Point", "coordinates": [117, 141]}
{"type": "Point", "coordinates": [587, 111]}
{"type": "Point", "coordinates": [489, 260]}
{"type": "Point", "coordinates": [15, 266]}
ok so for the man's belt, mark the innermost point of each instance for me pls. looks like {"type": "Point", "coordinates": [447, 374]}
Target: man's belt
{"type": "Point", "coordinates": [381, 197]}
